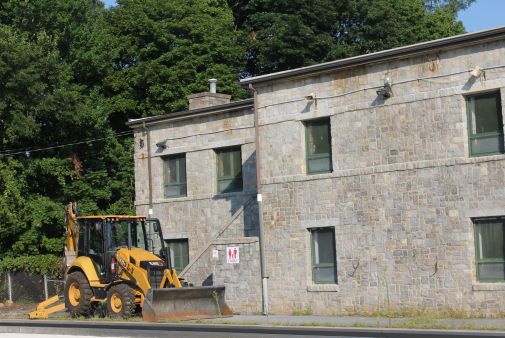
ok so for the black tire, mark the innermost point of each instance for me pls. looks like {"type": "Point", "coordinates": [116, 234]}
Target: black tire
{"type": "Point", "coordinates": [121, 301]}
{"type": "Point", "coordinates": [78, 295]}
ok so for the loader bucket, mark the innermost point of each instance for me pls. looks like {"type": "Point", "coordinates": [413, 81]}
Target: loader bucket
{"type": "Point", "coordinates": [184, 303]}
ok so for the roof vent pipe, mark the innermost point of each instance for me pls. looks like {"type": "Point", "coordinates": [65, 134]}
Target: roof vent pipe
{"type": "Point", "coordinates": [212, 83]}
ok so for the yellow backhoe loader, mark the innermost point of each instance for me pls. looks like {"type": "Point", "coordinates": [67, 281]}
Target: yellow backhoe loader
{"type": "Point", "coordinates": [123, 262]}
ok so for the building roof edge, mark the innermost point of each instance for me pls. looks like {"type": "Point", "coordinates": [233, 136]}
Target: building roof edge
{"type": "Point", "coordinates": [385, 55]}
{"type": "Point", "coordinates": [222, 108]}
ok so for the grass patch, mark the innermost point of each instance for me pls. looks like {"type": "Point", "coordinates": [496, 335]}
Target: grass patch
{"type": "Point", "coordinates": [414, 313]}
{"type": "Point", "coordinates": [307, 311]}
{"type": "Point", "coordinates": [408, 323]}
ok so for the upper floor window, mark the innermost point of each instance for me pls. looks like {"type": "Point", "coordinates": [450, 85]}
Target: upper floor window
{"type": "Point", "coordinates": [485, 124]}
{"type": "Point", "coordinates": [229, 170]}
{"type": "Point", "coordinates": [489, 249]}
{"type": "Point", "coordinates": [318, 146]}
{"type": "Point", "coordinates": [174, 176]}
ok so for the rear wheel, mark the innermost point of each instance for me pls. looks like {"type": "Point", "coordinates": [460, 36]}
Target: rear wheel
{"type": "Point", "coordinates": [120, 301]}
{"type": "Point", "coordinates": [78, 295]}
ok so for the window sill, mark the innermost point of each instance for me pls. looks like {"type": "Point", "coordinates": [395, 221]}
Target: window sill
{"type": "Point", "coordinates": [486, 154]}
{"type": "Point", "coordinates": [496, 286]}
{"type": "Point", "coordinates": [229, 194]}
{"type": "Point", "coordinates": [319, 172]}
{"type": "Point", "coordinates": [175, 198]}
{"type": "Point", "coordinates": [323, 288]}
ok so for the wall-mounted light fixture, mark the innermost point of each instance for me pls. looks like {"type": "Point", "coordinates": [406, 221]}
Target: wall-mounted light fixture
{"type": "Point", "coordinates": [477, 72]}
{"type": "Point", "coordinates": [310, 97]}
{"type": "Point", "coordinates": [161, 144]}
{"type": "Point", "coordinates": [385, 91]}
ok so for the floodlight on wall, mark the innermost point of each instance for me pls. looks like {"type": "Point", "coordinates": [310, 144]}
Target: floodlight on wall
{"type": "Point", "coordinates": [162, 144]}
{"type": "Point", "coordinates": [310, 97]}
{"type": "Point", "coordinates": [477, 72]}
{"type": "Point", "coordinates": [385, 91]}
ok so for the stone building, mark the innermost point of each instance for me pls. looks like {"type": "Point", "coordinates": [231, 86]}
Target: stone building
{"type": "Point", "coordinates": [382, 181]}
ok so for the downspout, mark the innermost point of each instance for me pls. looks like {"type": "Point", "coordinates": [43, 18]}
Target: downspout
{"type": "Point", "coordinates": [149, 176]}
{"type": "Point", "coordinates": [264, 277]}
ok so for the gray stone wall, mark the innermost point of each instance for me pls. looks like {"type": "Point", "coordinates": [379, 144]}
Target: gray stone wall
{"type": "Point", "coordinates": [402, 190]}
{"type": "Point", "coordinates": [400, 197]}
{"type": "Point", "coordinates": [406, 231]}
{"type": "Point", "coordinates": [242, 280]}
{"type": "Point", "coordinates": [197, 137]}
{"type": "Point", "coordinates": [205, 217]}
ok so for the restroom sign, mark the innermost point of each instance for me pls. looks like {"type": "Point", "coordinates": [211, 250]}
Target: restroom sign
{"type": "Point", "coordinates": [232, 255]}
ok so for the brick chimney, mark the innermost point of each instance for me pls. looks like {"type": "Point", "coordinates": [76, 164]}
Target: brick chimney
{"type": "Point", "coordinates": [208, 99]}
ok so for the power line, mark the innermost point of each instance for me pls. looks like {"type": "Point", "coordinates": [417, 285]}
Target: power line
{"type": "Point", "coordinates": [27, 151]}
{"type": "Point", "coordinates": [91, 139]}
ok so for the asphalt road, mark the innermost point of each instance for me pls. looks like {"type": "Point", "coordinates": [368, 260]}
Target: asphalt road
{"type": "Point", "coordinates": [174, 334]}
{"type": "Point", "coordinates": [77, 329]}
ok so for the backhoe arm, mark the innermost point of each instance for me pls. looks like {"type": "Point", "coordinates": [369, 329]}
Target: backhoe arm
{"type": "Point", "coordinates": [72, 227]}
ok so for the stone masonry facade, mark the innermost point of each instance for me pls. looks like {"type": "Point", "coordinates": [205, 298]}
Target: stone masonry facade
{"type": "Point", "coordinates": [402, 191]}
{"type": "Point", "coordinates": [401, 195]}
{"type": "Point", "coordinates": [209, 221]}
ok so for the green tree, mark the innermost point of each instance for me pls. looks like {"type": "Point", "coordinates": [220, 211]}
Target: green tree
{"type": "Point", "coordinates": [282, 34]}
{"type": "Point", "coordinates": [50, 96]}
{"type": "Point", "coordinates": [451, 5]}
{"type": "Point", "coordinates": [164, 50]}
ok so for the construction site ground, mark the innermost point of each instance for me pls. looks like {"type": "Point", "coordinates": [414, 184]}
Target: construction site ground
{"type": "Point", "coordinates": [16, 310]}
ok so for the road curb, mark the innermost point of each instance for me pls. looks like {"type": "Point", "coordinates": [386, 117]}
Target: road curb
{"type": "Point", "coordinates": [140, 329]}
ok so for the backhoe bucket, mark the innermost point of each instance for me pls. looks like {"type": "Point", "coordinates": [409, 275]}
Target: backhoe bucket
{"type": "Point", "coordinates": [184, 303]}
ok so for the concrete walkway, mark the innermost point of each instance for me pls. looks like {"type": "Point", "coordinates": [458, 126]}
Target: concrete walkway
{"type": "Point", "coordinates": [354, 321]}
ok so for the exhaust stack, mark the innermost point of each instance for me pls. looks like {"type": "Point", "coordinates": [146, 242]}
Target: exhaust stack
{"type": "Point", "coordinates": [212, 83]}
{"type": "Point", "coordinates": [208, 99]}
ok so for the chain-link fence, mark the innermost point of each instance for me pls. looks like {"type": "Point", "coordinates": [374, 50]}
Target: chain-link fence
{"type": "Point", "coordinates": [23, 287]}
{"type": "Point", "coordinates": [4, 293]}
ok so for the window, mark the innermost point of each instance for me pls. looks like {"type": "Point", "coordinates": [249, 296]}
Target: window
{"type": "Point", "coordinates": [229, 170]}
{"type": "Point", "coordinates": [485, 124]}
{"type": "Point", "coordinates": [153, 234]}
{"type": "Point", "coordinates": [324, 265]}
{"type": "Point", "coordinates": [489, 249]}
{"type": "Point", "coordinates": [318, 144]}
{"type": "Point", "coordinates": [81, 247]}
{"type": "Point", "coordinates": [118, 235]}
{"type": "Point", "coordinates": [95, 238]}
{"type": "Point", "coordinates": [179, 253]}
{"type": "Point", "coordinates": [174, 176]}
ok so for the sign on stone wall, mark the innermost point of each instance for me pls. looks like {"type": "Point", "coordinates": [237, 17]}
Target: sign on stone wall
{"type": "Point", "coordinates": [232, 255]}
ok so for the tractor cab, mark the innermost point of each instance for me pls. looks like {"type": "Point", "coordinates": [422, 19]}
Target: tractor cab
{"type": "Point", "coordinates": [101, 237]}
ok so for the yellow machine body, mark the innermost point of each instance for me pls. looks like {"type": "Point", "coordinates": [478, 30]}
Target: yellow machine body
{"type": "Point", "coordinates": [126, 278]}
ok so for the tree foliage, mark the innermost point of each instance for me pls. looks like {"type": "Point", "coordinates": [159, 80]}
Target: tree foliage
{"type": "Point", "coordinates": [73, 72]}
{"type": "Point", "coordinates": [286, 34]}
{"type": "Point", "coordinates": [48, 98]}
{"type": "Point", "coordinates": [165, 50]}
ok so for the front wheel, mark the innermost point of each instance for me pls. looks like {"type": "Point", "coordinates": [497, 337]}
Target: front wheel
{"type": "Point", "coordinates": [120, 301]}
{"type": "Point", "coordinates": [78, 295]}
